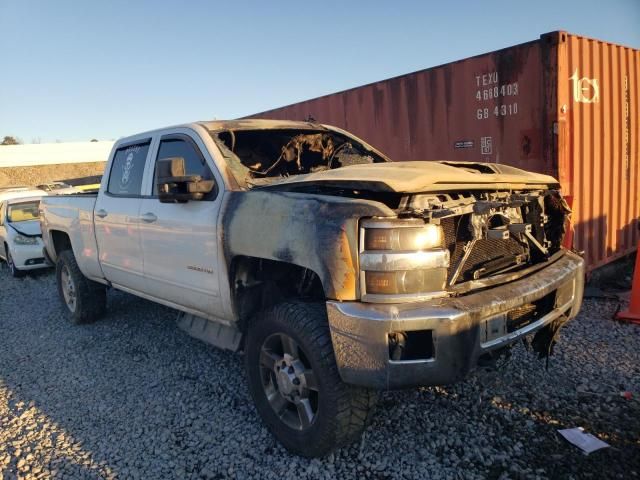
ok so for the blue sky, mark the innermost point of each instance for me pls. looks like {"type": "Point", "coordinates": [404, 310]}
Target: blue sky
{"type": "Point", "coordinates": [76, 70]}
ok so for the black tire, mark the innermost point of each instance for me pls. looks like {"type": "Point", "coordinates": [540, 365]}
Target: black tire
{"type": "Point", "coordinates": [342, 411]}
{"type": "Point", "coordinates": [90, 297]}
{"type": "Point", "coordinates": [13, 270]}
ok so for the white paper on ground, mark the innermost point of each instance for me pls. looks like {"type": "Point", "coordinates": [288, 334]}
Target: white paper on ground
{"type": "Point", "coordinates": [584, 441]}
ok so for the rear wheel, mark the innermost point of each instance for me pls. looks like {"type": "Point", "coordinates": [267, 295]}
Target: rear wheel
{"type": "Point", "coordinates": [295, 384]}
{"type": "Point", "coordinates": [13, 270]}
{"type": "Point", "coordinates": [84, 300]}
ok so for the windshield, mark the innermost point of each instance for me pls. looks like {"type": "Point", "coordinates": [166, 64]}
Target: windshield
{"type": "Point", "coordinates": [261, 156]}
{"type": "Point", "coordinates": [23, 211]}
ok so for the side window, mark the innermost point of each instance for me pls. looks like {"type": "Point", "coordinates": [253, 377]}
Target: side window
{"type": "Point", "coordinates": [194, 162]}
{"type": "Point", "coordinates": [3, 209]}
{"type": "Point", "coordinates": [127, 170]}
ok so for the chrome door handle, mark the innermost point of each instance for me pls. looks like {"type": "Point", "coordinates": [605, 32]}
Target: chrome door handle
{"type": "Point", "coordinates": [148, 217]}
{"type": "Point", "coordinates": [101, 213]}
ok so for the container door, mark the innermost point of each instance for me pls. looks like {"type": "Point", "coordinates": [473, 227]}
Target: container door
{"type": "Point", "coordinates": [599, 153]}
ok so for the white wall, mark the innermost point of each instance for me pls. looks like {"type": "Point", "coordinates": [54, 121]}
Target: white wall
{"type": "Point", "coordinates": [54, 153]}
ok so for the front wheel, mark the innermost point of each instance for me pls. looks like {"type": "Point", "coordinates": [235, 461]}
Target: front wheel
{"type": "Point", "coordinates": [295, 384]}
{"type": "Point", "coordinates": [13, 270]}
{"type": "Point", "coordinates": [84, 300]}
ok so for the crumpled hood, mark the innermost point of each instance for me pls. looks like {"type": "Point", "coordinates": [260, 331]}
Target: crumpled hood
{"type": "Point", "coordinates": [420, 176]}
{"type": "Point", "coordinates": [29, 228]}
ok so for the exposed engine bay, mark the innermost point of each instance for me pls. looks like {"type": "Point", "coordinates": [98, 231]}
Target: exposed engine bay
{"type": "Point", "coordinates": [263, 154]}
{"type": "Point", "coordinates": [490, 233]}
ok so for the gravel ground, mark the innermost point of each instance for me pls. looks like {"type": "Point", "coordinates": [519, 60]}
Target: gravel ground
{"type": "Point", "coordinates": [132, 396]}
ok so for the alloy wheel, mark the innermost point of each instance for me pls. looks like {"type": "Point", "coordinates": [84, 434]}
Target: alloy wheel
{"type": "Point", "coordinates": [288, 381]}
{"type": "Point", "coordinates": [68, 289]}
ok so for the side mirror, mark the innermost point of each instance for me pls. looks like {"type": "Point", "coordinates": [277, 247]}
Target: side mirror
{"type": "Point", "coordinates": [174, 186]}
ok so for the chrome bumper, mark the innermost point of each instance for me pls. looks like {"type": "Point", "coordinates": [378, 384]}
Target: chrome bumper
{"type": "Point", "coordinates": [462, 328]}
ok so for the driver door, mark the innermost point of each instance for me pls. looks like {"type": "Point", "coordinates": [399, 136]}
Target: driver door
{"type": "Point", "coordinates": [179, 240]}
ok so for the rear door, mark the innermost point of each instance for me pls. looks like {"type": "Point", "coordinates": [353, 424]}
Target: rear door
{"type": "Point", "coordinates": [179, 240]}
{"type": "Point", "coordinates": [116, 216]}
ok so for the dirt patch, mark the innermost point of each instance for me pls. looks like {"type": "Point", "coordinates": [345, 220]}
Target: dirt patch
{"type": "Point", "coordinates": [35, 175]}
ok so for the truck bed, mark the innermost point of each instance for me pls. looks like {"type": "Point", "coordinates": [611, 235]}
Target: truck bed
{"type": "Point", "coordinates": [72, 215]}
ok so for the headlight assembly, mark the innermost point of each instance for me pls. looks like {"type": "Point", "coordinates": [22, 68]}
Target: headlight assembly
{"type": "Point", "coordinates": [402, 260]}
{"type": "Point", "coordinates": [405, 281]}
{"type": "Point", "coordinates": [409, 238]}
{"type": "Point", "coordinates": [22, 240]}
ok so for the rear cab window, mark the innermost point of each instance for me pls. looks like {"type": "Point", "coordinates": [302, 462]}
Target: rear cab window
{"type": "Point", "coordinates": [127, 170]}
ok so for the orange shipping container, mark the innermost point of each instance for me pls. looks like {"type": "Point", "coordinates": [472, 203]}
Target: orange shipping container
{"type": "Point", "coordinates": [562, 104]}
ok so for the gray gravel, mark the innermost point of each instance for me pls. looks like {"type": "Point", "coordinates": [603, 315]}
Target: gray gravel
{"type": "Point", "coordinates": [132, 396]}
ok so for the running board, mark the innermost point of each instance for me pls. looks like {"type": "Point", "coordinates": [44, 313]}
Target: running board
{"type": "Point", "coordinates": [214, 333]}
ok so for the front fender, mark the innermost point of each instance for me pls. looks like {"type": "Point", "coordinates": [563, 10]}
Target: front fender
{"type": "Point", "coordinates": [318, 232]}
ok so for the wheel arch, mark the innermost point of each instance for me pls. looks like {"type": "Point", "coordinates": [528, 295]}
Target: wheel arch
{"type": "Point", "coordinates": [82, 244]}
{"type": "Point", "coordinates": [259, 283]}
{"type": "Point", "coordinates": [60, 241]}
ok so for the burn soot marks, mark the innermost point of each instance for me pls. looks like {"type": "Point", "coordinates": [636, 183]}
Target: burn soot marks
{"type": "Point", "coordinates": [284, 254]}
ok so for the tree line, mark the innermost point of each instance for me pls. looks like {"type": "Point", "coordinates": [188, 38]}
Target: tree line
{"type": "Point", "coordinates": [11, 140]}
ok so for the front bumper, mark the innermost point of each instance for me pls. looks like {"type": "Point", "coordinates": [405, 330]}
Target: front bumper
{"type": "Point", "coordinates": [28, 257]}
{"type": "Point", "coordinates": [458, 327]}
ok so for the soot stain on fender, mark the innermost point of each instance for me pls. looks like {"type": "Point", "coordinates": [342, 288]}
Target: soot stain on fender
{"type": "Point", "coordinates": [308, 230]}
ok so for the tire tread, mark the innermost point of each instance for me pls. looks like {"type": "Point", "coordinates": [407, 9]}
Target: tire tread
{"type": "Point", "coordinates": [91, 296]}
{"type": "Point", "coordinates": [354, 406]}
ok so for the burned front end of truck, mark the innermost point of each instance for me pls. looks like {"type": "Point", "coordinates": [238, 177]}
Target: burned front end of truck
{"type": "Point", "coordinates": [428, 268]}
{"type": "Point", "coordinates": [456, 279]}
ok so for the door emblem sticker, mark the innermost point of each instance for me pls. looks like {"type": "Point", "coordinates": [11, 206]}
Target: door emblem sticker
{"type": "Point", "coordinates": [126, 170]}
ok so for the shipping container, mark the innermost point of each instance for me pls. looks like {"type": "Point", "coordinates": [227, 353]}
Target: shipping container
{"type": "Point", "coordinates": [562, 104]}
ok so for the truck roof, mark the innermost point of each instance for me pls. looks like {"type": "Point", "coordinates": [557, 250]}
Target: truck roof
{"type": "Point", "coordinates": [259, 124]}
{"type": "Point", "coordinates": [242, 124]}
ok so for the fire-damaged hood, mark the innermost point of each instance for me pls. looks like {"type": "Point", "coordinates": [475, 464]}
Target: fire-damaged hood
{"type": "Point", "coordinates": [418, 176]}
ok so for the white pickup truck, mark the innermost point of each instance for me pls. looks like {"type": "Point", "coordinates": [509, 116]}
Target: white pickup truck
{"type": "Point", "coordinates": [337, 272]}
